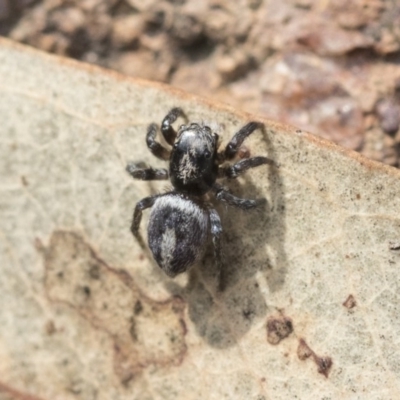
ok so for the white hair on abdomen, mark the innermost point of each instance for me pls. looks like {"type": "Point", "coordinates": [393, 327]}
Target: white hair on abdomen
{"type": "Point", "coordinates": [167, 245]}
{"type": "Point", "coordinates": [185, 206]}
{"type": "Point", "coordinates": [177, 232]}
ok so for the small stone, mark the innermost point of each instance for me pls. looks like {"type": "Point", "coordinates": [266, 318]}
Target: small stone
{"type": "Point", "coordinates": [126, 30]}
{"type": "Point", "coordinates": [68, 20]}
{"type": "Point", "coordinates": [141, 64]}
{"type": "Point", "coordinates": [388, 111]}
{"type": "Point", "coordinates": [232, 65]}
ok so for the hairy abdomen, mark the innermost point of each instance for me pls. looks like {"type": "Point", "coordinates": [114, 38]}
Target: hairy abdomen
{"type": "Point", "coordinates": [177, 233]}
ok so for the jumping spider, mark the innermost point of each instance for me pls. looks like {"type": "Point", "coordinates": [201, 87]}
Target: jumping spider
{"type": "Point", "coordinates": [181, 218]}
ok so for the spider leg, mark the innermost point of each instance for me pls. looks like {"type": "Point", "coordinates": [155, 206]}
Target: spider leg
{"type": "Point", "coordinates": [147, 202]}
{"type": "Point", "coordinates": [156, 148]}
{"type": "Point", "coordinates": [146, 174]}
{"type": "Point", "coordinates": [224, 195]}
{"type": "Point", "coordinates": [216, 232]}
{"type": "Point", "coordinates": [233, 171]}
{"type": "Point", "coordinates": [167, 130]}
{"type": "Point", "coordinates": [233, 146]}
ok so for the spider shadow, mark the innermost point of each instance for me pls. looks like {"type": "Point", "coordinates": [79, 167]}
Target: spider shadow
{"type": "Point", "coordinates": [252, 244]}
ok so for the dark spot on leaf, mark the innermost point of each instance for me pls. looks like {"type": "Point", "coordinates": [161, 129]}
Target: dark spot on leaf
{"type": "Point", "coordinates": [243, 152]}
{"type": "Point", "coordinates": [248, 314]}
{"type": "Point", "coordinates": [278, 328]}
{"type": "Point", "coordinates": [394, 245]}
{"type": "Point", "coordinates": [303, 351]}
{"type": "Point", "coordinates": [24, 181]}
{"type": "Point", "coordinates": [127, 379]}
{"type": "Point", "coordinates": [350, 302]}
{"type": "Point", "coordinates": [86, 291]}
{"type": "Point", "coordinates": [324, 364]}
{"type": "Point", "coordinates": [94, 271]}
{"type": "Point", "coordinates": [138, 308]}
{"type": "Point", "coordinates": [132, 330]}
{"type": "Point", "coordinates": [50, 327]}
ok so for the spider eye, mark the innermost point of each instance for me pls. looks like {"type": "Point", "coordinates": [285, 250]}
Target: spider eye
{"type": "Point", "coordinates": [207, 154]}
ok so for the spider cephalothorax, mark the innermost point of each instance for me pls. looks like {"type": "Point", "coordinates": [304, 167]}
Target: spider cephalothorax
{"type": "Point", "coordinates": [181, 219]}
{"type": "Point", "coordinates": [193, 167]}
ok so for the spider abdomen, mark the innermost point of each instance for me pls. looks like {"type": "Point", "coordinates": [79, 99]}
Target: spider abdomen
{"type": "Point", "coordinates": [177, 232]}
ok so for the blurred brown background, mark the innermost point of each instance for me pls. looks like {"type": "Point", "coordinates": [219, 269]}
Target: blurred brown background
{"type": "Point", "coordinates": [331, 67]}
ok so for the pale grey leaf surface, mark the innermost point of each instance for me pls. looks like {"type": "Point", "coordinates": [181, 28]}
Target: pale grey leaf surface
{"type": "Point", "coordinates": [86, 315]}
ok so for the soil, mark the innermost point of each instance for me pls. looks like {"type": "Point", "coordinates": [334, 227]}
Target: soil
{"type": "Point", "coordinates": [331, 67]}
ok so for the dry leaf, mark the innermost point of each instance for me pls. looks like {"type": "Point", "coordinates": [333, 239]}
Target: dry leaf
{"type": "Point", "coordinates": [311, 301]}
